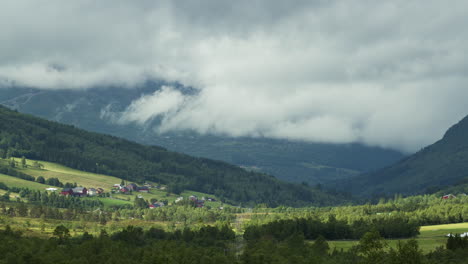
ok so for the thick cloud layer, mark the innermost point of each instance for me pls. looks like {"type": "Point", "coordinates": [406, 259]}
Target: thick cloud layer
{"type": "Point", "coordinates": [392, 74]}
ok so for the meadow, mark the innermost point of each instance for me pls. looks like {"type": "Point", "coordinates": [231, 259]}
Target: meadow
{"type": "Point", "coordinates": [429, 239]}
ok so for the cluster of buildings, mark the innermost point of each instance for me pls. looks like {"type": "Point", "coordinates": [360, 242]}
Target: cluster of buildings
{"type": "Point", "coordinates": [81, 191]}
{"type": "Point", "coordinates": [451, 196]}
{"type": "Point", "coordinates": [198, 202]}
{"type": "Point", "coordinates": [127, 189]}
{"type": "Point", "coordinates": [132, 187]}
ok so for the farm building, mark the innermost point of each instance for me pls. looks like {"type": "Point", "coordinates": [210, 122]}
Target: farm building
{"type": "Point", "coordinates": [92, 192]}
{"type": "Point", "coordinates": [132, 187]}
{"type": "Point", "coordinates": [448, 196]}
{"type": "Point", "coordinates": [143, 189]}
{"type": "Point", "coordinates": [80, 191]}
{"type": "Point", "coordinates": [67, 191]}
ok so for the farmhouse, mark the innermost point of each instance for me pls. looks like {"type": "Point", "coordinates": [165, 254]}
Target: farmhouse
{"type": "Point", "coordinates": [198, 203]}
{"type": "Point", "coordinates": [92, 192]}
{"type": "Point", "coordinates": [143, 189]}
{"type": "Point", "coordinates": [132, 187]}
{"type": "Point", "coordinates": [80, 191]}
{"type": "Point", "coordinates": [448, 196]}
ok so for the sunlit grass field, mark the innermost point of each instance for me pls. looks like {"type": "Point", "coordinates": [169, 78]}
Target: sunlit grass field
{"type": "Point", "coordinates": [16, 182]}
{"type": "Point", "coordinates": [429, 239]}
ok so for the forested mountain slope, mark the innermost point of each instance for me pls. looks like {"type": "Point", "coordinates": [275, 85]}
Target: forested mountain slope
{"type": "Point", "coordinates": [35, 138]}
{"type": "Point", "coordinates": [96, 109]}
{"type": "Point", "coordinates": [443, 163]}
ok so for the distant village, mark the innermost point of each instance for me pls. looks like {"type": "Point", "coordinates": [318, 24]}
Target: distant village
{"type": "Point", "coordinates": [130, 189]}
{"type": "Point", "coordinates": [451, 196]}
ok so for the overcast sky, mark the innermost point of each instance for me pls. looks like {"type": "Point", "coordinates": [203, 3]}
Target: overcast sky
{"type": "Point", "coordinates": [388, 73]}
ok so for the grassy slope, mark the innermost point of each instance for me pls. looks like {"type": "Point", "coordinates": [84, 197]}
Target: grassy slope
{"type": "Point", "coordinates": [16, 182]}
{"type": "Point", "coordinates": [430, 238]}
{"type": "Point", "coordinates": [89, 180]}
{"type": "Point", "coordinates": [65, 174]}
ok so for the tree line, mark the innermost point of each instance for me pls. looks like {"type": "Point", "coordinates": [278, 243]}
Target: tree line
{"type": "Point", "coordinates": [332, 229]}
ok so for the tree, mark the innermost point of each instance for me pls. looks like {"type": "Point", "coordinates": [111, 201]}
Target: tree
{"type": "Point", "coordinates": [12, 163]}
{"type": "Point", "coordinates": [407, 252]}
{"type": "Point", "coordinates": [5, 197]}
{"type": "Point", "coordinates": [40, 179]}
{"type": "Point", "coordinates": [22, 210]}
{"type": "Point", "coordinates": [320, 246]}
{"type": "Point", "coordinates": [37, 165]}
{"type": "Point", "coordinates": [372, 247]}
{"type": "Point", "coordinates": [140, 203]}
{"type": "Point", "coordinates": [62, 233]}
{"type": "Point", "coordinates": [23, 162]}
{"type": "Point", "coordinates": [9, 154]}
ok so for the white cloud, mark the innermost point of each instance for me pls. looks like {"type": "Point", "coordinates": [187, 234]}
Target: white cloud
{"type": "Point", "coordinates": [161, 103]}
{"type": "Point", "coordinates": [392, 74]}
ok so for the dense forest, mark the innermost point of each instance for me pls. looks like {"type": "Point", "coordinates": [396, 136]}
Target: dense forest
{"type": "Point", "coordinates": [442, 164]}
{"type": "Point", "coordinates": [210, 245]}
{"type": "Point", "coordinates": [35, 138]}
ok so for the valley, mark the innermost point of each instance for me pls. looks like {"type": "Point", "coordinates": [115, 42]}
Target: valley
{"type": "Point", "coordinates": [154, 197]}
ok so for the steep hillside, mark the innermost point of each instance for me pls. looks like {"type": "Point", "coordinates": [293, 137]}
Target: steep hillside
{"type": "Point", "coordinates": [35, 138]}
{"type": "Point", "coordinates": [441, 164]}
{"type": "Point", "coordinates": [95, 110]}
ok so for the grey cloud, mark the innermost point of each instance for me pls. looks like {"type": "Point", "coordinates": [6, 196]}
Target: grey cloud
{"type": "Point", "coordinates": [391, 74]}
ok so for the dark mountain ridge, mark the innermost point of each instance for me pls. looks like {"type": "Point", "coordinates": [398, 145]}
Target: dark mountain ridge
{"type": "Point", "coordinates": [441, 164]}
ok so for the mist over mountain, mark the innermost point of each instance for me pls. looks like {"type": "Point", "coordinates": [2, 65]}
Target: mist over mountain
{"type": "Point", "coordinates": [101, 110]}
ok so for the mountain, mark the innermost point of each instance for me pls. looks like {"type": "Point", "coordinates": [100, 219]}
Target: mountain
{"type": "Point", "coordinates": [39, 139]}
{"type": "Point", "coordinates": [293, 161]}
{"type": "Point", "coordinates": [441, 164]}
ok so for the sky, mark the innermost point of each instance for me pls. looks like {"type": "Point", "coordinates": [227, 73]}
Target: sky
{"type": "Point", "coordinates": [384, 73]}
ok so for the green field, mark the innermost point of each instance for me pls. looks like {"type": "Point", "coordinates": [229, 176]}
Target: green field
{"type": "Point", "coordinates": [16, 182]}
{"type": "Point", "coordinates": [65, 174]}
{"type": "Point", "coordinates": [430, 238]}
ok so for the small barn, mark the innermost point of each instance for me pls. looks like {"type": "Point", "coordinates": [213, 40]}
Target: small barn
{"type": "Point", "coordinates": [143, 189]}
{"type": "Point", "coordinates": [67, 191]}
{"type": "Point", "coordinates": [132, 187]}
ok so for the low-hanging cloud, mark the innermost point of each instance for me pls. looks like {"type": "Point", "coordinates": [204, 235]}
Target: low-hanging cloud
{"type": "Point", "coordinates": [392, 74]}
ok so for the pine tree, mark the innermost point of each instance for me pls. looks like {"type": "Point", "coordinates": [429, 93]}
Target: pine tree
{"type": "Point", "coordinates": [23, 162]}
